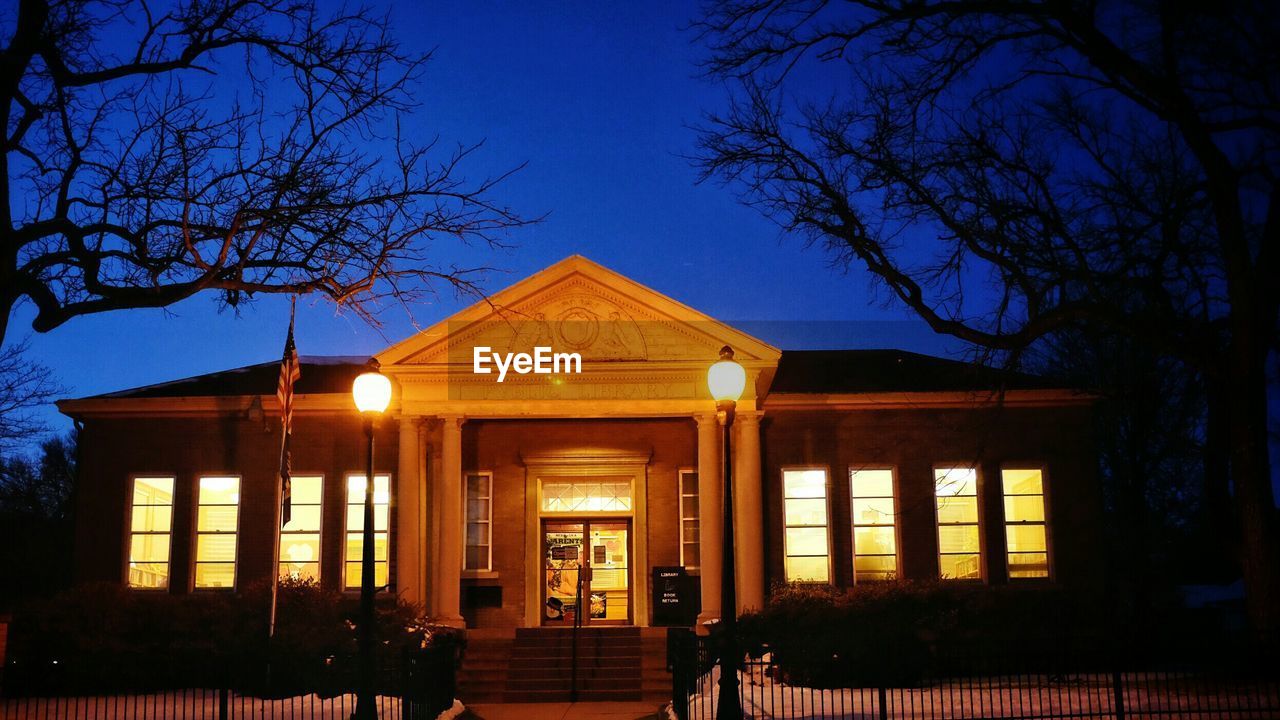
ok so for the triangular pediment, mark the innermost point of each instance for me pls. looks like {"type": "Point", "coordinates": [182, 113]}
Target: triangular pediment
{"type": "Point", "coordinates": [579, 306]}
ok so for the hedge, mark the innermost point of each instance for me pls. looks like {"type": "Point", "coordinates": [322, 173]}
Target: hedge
{"type": "Point", "coordinates": [104, 638]}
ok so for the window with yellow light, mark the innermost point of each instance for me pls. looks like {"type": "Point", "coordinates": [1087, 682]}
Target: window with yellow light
{"type": "Point", "coordinates": [150, 532]}
{"type": "Point", "coordinates": [875, 541]}
{"type": "Point", "coordinates": [805, 539]}
{"type": "Point", "coordinates": [300, 537]}
{"type": "Point", "coordinates": [217, 522]}
{"type": "Point", "coordinates": [1026, 537]}
{"type": "Point", "coordinates": [354, 553]}
{"type": "Point", "coordinates": [959, 537]}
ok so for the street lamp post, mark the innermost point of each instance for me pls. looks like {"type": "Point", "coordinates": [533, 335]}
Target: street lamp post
{"type": "Point", "coordinates": [726, 380]}
{"type": "Point", "coordinates": [372, 393]}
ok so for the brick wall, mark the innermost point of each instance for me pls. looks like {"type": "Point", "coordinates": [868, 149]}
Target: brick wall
{"type": "Point", "coordinates": [115, 450]}
{"type": "Point", "coordinates": [496, 446]}
{"type": "Point", "coordinates": [913, 442]}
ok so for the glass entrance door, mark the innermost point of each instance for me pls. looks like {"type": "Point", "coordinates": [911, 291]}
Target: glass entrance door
{"type": "Point", "coordinates": [587, 570]}
{"type": "Point", "coordinates": [610, 572]}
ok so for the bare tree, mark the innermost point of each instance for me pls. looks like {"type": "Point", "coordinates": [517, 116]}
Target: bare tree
{"type": "Point", "coordinates": [41, 487]}
{"type": "Point", "coordinates": [238, 146]}
{"type": "Point", "coordinates": [24, 385]}
{"type": "Point", "coordinates": [35, 518]}
{"type": "Point", "coordinates": [1011, 169]}
{"type": "Point", "coordinates": [1149, 434]}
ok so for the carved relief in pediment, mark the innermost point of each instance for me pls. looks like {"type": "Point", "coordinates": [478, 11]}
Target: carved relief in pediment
{"type": "Point", "coordinates": [582, 323]}
{"type": "Point", "coordinates": [576, 315]}
{"type": "Point", "coordinates": [579, 322]}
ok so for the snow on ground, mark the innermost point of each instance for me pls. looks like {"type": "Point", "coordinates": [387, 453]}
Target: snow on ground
{"type": "Point", "coordinates": [453, 712]}
{"type": "Point", "coordinates": [199, 705]}
{"type": "Point", "coordinates": [1076, 696]}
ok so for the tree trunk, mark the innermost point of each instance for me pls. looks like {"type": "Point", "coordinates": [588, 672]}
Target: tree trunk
{"type": "Point", "coordinates": [6, 309]}
{"type": "Point", "coordinates": [1219, 526]}
{"type": "Point", "coordinates": [1251, 475]}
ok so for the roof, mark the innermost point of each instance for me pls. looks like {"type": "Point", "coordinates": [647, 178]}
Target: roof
{"type": "Point", "coordinates": [882, 371]}
{"type": "Point", "coordinates": [576, 277]}
{"type": "Point", "coordinates": [799, 371]}
{"type": "Point", "coordinates": [320, 374]}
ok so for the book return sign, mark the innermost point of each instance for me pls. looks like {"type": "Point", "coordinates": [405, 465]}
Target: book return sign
{"type": "Point", "coordinates": [675, 602]}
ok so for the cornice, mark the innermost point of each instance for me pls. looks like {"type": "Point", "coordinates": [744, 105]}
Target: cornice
{"type": "Point", "coordinates": [340, 403]}
{"type": "Point", "coordinates": [316, 403]}
{"type": "Point", "coordinates": [926, 400]}
{"type": "Point", "coordinates": [586, 456]}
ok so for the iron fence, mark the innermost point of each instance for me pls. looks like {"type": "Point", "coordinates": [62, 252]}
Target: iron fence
{"type": "Point", "coordinates": [420, 688]}
{"type": "Point", "coordinates": [1226, 687]}
{"type": "Point", "coordinates": [196, 704]}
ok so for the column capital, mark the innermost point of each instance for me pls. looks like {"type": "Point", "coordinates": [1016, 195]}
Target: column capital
{"type": "Point", "coordinates": [408, 420]}
{"type": "Point", "coordinates": [706, 418]}
{"type": "Point", "coordinates": [451, 421]}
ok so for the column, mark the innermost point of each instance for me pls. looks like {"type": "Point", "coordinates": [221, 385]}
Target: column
{"type": "Point", "coordinates": [449, 560]}
{"type": "Point", "coordinates": [710, 512]}
{"type": "Point", "coordinates": [431, 492]}
{"type": "Point", "coordinates": [748, 512]}
{"type": "Point", "coordinates": [409, 505]}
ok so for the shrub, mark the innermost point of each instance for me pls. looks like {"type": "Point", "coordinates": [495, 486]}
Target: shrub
{"type": "Point", "coordinates": [897, 633]}
{"type": "Point", "coordinates": [825, 637]}
{"type": "Point", "coordinates": [104, 638]}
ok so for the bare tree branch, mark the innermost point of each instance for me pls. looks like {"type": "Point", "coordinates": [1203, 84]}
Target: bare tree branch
{"type": "Point", "coordinates": [1011, 170]}
{"type": "Point", "coordinates": [138, 174]}
{"type": "Point", "coordinates": [24, 386]}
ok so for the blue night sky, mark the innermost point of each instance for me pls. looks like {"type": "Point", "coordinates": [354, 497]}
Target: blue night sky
{"type": "Point", "coordinates": [597, 98]}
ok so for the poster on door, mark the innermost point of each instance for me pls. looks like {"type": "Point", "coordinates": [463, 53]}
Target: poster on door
{"type": "Point", "coordinates": [563, 563]}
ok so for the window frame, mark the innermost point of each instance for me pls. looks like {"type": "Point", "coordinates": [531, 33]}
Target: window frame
{"type": "Point", "coordinates": [129, 532]}
{"type": "Point", "coordinates": [346, 505]}
{"type": "Point", "coordinates": [980, 523]}
{"type": "Point", "coordinates": [782, 487]}
{"type": "Point", "coordinates": [1045, 480]}
{"type": "Point", "coordinates": [680, 495]}
{"type": "Point", "coordinates": [897, 525]}
{"type": "Point", "coordinates": [466, 522]}
{"type": "Point", "coordinates": [319, 532]}
{"type": "Point", "coordinates": [196, 532]}
{"type": "Point", "coordinates": [558, 476]}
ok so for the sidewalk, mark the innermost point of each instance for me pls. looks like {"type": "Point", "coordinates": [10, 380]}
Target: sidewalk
{"type": "Point", "coordinates": [564, 711]}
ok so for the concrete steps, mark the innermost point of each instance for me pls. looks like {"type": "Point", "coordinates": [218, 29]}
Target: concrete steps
{"type": "Point", "coordinates": [542, 665]}
{"type": "Point", "coordinates": [536, 665]}
{"type": "Point", "coordinates": [483, 677]}
{"type": "Point", "coordinates": [655, 681]}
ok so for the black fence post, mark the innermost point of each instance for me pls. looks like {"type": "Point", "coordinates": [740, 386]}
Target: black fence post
{"type": "Point", "coordinates": [224, 702]}
{"type": "Point", "coordinates": [682, 662]}
{"type": "Point", "coordinates": [406, 694]}
{"type": "Point", "coordinates": [1117, 685]}
{"type": "Point", "coordinates": [884, 703]}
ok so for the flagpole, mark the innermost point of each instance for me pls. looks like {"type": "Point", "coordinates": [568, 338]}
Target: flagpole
{"type": "Point", "coordinates": [275, 545]}
{"type": "Point", "coordinates": [279, 509]}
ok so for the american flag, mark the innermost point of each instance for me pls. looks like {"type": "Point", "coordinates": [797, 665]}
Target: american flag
{"type": "Point", "coordinates": [290, 371]}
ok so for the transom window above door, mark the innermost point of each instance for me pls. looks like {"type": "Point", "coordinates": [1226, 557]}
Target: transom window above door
{"type": "Point", "coordinates": [586, 494]}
